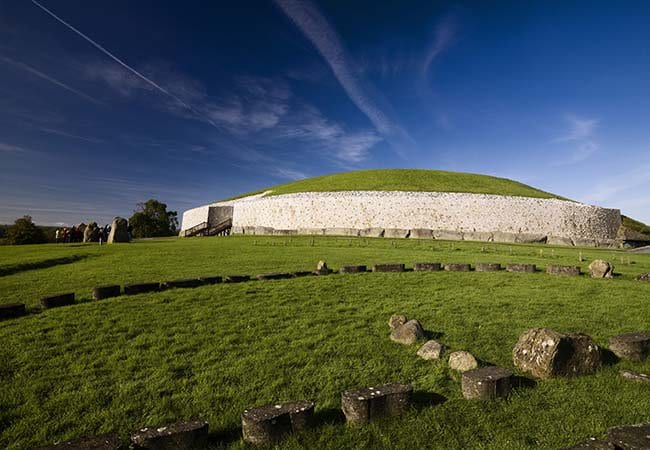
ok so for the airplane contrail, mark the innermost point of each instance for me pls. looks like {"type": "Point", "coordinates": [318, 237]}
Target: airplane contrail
{"type": "Point", "coordinates": [125, 65]}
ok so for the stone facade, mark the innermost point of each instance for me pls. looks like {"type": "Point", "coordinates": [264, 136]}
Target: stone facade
{"type": "Point", "coordinates": [488, 217]}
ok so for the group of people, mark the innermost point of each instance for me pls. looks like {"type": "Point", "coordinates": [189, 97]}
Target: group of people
{"type": "Point", "coordinates": [76, 234]}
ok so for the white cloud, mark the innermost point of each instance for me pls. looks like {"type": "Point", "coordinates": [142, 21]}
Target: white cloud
{"type": "Point", "coordinates": [9, 148]}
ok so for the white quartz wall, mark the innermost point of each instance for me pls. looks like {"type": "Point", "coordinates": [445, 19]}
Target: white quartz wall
{"type": "Point", "coordinates": [428, 210]}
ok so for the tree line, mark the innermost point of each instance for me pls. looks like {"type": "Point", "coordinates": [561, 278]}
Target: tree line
{"type": "Point", "coordinates": [149, 219]}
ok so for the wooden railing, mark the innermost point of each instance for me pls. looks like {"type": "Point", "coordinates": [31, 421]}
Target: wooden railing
{"type": "Point", "coordinates": [196, 229]}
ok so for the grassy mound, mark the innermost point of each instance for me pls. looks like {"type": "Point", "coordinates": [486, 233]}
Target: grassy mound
{"type": "Point", "coordinates": [416, 180]}
{"type": "Point", "coordinates": [208, 353]}
{"type": "Point", "coordinates": [634, 229]}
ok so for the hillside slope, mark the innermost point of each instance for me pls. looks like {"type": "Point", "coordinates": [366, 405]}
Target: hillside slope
{"type": "Point", "coordinates": [417, 180]}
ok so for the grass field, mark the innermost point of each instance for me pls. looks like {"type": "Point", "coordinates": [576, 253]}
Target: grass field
{"type": "Point", "coordinates": [414, 180]}
{"type": "Point", "coordinates": [208, 353]}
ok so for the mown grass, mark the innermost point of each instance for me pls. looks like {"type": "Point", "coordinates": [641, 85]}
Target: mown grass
{"type": "Point", "coordinates": [210, 352]}
{"type": "Point", "coordinates": [414, 180]}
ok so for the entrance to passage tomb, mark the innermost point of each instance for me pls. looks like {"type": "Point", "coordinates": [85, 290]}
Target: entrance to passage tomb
{"type": "Point", "coordinates": [219, 220]}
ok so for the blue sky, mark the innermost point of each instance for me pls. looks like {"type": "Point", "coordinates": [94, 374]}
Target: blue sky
{"type": "Point", "coordinates": [107, 104]}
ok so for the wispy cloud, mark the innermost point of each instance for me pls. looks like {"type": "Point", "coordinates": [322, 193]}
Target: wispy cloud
{"type": "Point", "coordinates": [47, 77]}
{"type": "Point", "coordinates": [444, 36]}
{"type": "Point", "coordinates": [580, 136]}
{"type": "Point", "coordinates": [309, 20]}
{"type": "Point", "coordinates": [133, 71]}
{"type": "Point", "coordinates": [10, 148]}
{"type": "Point", "coordinates": [70, 135]}
{"type": "Point", "coordinates": [328, 138]}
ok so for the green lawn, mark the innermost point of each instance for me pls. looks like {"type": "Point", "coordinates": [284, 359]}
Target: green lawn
{"type": "Point", "coordinates": [208, 353]}
{"type": "Point", "coordinates": [415, 180]}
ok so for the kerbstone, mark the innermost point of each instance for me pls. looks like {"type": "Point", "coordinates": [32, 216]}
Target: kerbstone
{"type": "Point", "coordinates": [353, 269]}
{"type": "Point", "coordinates": [486, 383]}
{"type": "Point", "coordinates": [362, 405]}
{"type": "Point", "coordinates": [102, 292]}
{"type": "Point", "coordinates": [397, 233]}
{"type": "Point", "coordinates": [630, 437]}
{"type": "Point", "coordinates": [388, 268]}
{"type": "Point", "coordinates": [462, 361]}
{"type": "Point", "coordinates": [12, 310]}
{"type": "Point", "coordinates": [632, 346]}
{"type": "Point", "coordinates": [567, 271]}
{"type": "Point", "coordinates": [268, 424]}
{"type": "Point", "coordinates": [421, 233]}
{"type": "Point", "coordinates": [141, 288]}
{"type": "Point", "coordinates": [427, 267]}
{"type": "Point", "coordinates": [599, 268]}
{"type": "Point", "coordinates": [55, 301]}
{"type": "Point", "coordinates": [525, 268]}
{"type": "Point", "coordinates": [457, 267]}
{"type": "Point", "coordinates": [487, 267]}
{"type": "Point", "coordinates": [431, 350]}
{"type": "Point", "coordinates": [177, 436]}
{"type": "Point", "coordinates": [408, 333]}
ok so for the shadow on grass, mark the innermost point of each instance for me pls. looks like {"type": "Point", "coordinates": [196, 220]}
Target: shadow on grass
{"type": "Point", "coordinates": [424, 399]}
{"type": "Point", "coordinates": [519, 382]}
{"type": "Point", "coordinates": [224, 436]}
{"type": "Point", "coordinates": [608, 357]}
{"type": "Point", "coordinates": [17, 268]}
{"type": "Point", "coordinates": [332, 416]}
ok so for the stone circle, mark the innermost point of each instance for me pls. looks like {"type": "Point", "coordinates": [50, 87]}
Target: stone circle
{"type": "Point", "coordinates": [353, 269]}
{"type": "Point", "coordinates": [526, 268]}
{"type": "Point", "coordinates": [457, 267]}
{"type": "Point", "coordinates": [486, 383]}
{"type": "Point", "coordinates": [268, 424]}
{"type": "Point", "coordinates": [632, 346]}
{"type": "Point", "coordinates": [462, 361]}
{"type": "Point", "coordinates": [408, 333]}
{"type": "Point", "coordinates": [55, 301]}
{"type": "Point", "coordinates": [427, 267]}
{"type": "Point", "coordinates": [487, 267]}
{"type": "Point", "coordinates": [177, 436]}
{"type": "Point", "coordinates": [388, 268]}
{"type": "Point", "coordinates": [431, 350]}
{"type": "Point", "coordinates": [397, 320]}
{"type": "Point", "coordinates": [569, 271]}
{"type": "Point", "coordinates": [361, 405]}
{"type": "Point", "coordinates": [102, 292]}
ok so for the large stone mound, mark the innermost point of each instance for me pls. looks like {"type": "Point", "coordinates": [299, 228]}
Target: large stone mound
{"type": "Point", "coordinates": [546, 353]}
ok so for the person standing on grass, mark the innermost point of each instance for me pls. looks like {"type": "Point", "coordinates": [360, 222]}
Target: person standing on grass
{"type": "Point", "coordinates": [56, 236]}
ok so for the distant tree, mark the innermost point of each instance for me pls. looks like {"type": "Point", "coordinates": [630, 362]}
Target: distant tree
{"type": "Point", "coordinates": [24, 231]}
{"type": "Point", "coordinates": [151, 219]}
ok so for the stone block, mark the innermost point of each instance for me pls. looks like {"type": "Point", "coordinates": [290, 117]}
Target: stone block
{"type": "Point", "coordinates": [249, 230]}
{"type": "Point", "coordinates": [353, 269]}
{"type": "Point", "coordinates": [630, 437]}
{"type": "Point", "coordinates": [302, 273]}
{"type": "Point", "coordinates": [211, 279]}
{"type": "Point", "coordinates": [446, 235]}
{"type": "Point", "coordinates": [388, 268]}
{"type": "Point", "coordinates": [177, 436]}
{"type": "Point", "coordinates": [408, 333]}
{"type": "Point", "coordinates": [187, 283]}
{"type": "Point", "coordinates": [486, 383]}
{"type": "Point", "coordinates": [236, 278]}
{"type": "Point", "coordinates": [635, 376]}
{"type": "Point", "coordinates": [285, 232]}
{"type": "Point", "coordinates": [396, 233]}
{"type": "Point", "coordinates": [396, 320]}
{"type": "Point", "coordinates": [311, 231]}
{"type": "Point", "coordinates": [362, 405]}
{"type": "Point", "coordinates": [480, 236]}
{"type": "Point", "coordinates": [371, 232]}
{"type": "Point", "coordinates": [556, 240]}
{"type": "Point", "coordinates": [421, 233]}
{"type": "Point", "coordinates": [501, 236]}
{"type": "Point", "coordinates": [462, 361]}
{"type": "Point", "coordinates": [275, 276]}
{"type": "Point", "coordinates": [263, 231]}
{"type": "Point", "coordinates": [322, 269]}
{"type": "Point", "coordinates": [353, 232]}
{"type": "Point", "coordinates": [599, 268]}
{"type": "Point", "coordinates": [528, 268]}
{"type": "Point", "coordinates": [568, 271]}
{"type": "Point", "coordinates": [457, 267]}
{"type": "Point", "coordinates": [580, 242]}
{"type": "Point", "coordinates": [431, 350]}
{"type": "Point", "coordinates": [268, 424]}
{"type": "Point", "coordinates": [631, 346]}
{"type": "Point", "coordinates": [643, 277]}
{"type": "Point", "coordinates": [141, 288]}
{"type": "Point", "coordinates": [427, 267]}
{"type": "Point", "coordinates": [54, 301]}
{"type": "Point", "coordinates": [546, 353]}
{"type": "Point", "coordinates": [12, 310]}
{"type": "Point", "coordinates": [529, 238]}
{"type": "Point", "coordinates": [102, 292]}
{"type": "Point", "coordinates": [487, 267]}
{"type": "Point", "coordinates": [101, 442]}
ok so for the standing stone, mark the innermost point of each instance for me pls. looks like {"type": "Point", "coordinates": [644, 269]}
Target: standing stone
{"type": "Point", "coordinates": [119, 231]}
{"type": "Point", "coordinates": [396, 320]}
{"type": "Point", "coordinates": [546, 353]}
{"type": "Point", "coordinates": [431, 350]}
{"type": "Point", "coordinates": [630, 437]}
{"type": "Point", "coordinates": [632, 346]}
{"type": "Point", "coordinates": [487, 383]}
{"type": "Point", "coordinates": [408, 333]}
{"type": "Point", "coordinates": [488, 267]}
{"type": "Point", "coordinates": [426, 267]}
{"type": "Point", "coordinates": [92, 232]}
{"type": "Point", "coordinates": [321, 268]}
{"type": "Point", "coordinates": [527, 268]}
{"type": "Point", "coordinates": [600, 268]}
{"type": "Point", "coordinates": [268, 424]}
{"type": "Point", "coordinates": [569, 271]}
{"type": "Point", "coordinates": [462, 361]}
{"type": "Point", "coordinates": [362, 405]}
{"type": "Point", "coordinates": [177, 436]}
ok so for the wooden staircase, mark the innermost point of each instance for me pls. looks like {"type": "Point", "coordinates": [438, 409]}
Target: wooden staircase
{"type": "Point", "coordinates": [205, 229]}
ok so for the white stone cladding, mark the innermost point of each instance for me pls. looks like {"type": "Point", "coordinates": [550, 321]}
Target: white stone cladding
{"type": "Point", "coordinates": [471, 214]}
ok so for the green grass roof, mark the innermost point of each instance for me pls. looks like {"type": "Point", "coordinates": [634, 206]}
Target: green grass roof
{"type": "Point", "coordinates": [416, 180]}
